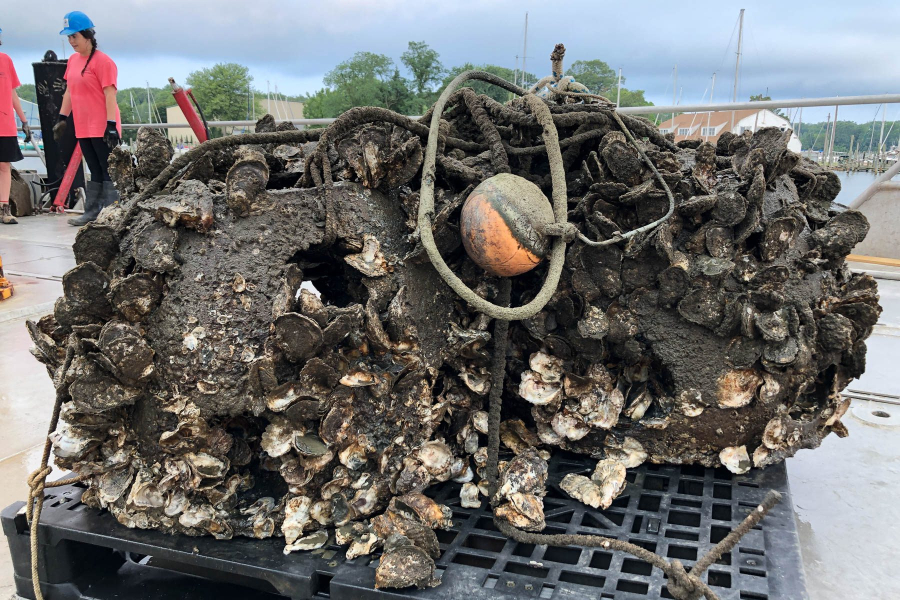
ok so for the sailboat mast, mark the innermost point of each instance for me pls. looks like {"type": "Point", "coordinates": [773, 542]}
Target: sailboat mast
{"type": "Point", "coordinates": [619, 88]}
{"type": "Point", "coordinates": [878, 159]}
{"type": "Point", "coordinates": [674, 92]}
{"type": "Point", "coordinates": [737, 63]}
{"type": "Point", "coordinates": [525, 50]}
{"type": "Point", "coordinates": [709, 114]}
{"type": "Point", "coordinates": [833, 133]}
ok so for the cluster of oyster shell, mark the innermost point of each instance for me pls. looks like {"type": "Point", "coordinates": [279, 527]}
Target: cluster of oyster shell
{"type": "Point", "coordinates": [235, 374]}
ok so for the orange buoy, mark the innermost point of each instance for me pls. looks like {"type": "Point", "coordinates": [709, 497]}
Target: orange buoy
{"type": "Point", "coordinates": [502, 223]}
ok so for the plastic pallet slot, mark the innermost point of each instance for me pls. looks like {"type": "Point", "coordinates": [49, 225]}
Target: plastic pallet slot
{"type": "Point", "coordinates": [677, 512]}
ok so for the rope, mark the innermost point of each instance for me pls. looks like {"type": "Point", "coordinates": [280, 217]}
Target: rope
{"type": "Point", "coordinates": [682, 585]}
{"type": "Point", "coordinates": [659, 178]}
{"type": "Point", "coordinates": [37, 481]}
{"type": "Point", "coordinates": [182, 161]}
{"type": "Point", "coordinates": [560, 203]}
{"type": "Point", "coordinates": [495, 399]}
{"type": "Point", "coordinates": [499, 160]}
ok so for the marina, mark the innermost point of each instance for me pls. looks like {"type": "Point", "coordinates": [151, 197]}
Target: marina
{"type": "Point", "coordinates": [384, 320]}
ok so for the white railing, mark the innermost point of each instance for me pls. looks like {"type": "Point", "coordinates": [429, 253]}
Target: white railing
{"type": "Point", "coordinates": [795, 103]}
{"type": "Point", "coordinates": [226, 123]}
{"type": "Point", "coordinates": [634, 110]}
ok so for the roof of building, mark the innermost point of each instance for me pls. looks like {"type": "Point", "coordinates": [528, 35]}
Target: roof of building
{"type": "Point", "coordinates": [708, 119]}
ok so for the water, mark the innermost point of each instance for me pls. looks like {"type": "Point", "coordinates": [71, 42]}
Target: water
{"type": "Point", "coordinates": [853, 184]}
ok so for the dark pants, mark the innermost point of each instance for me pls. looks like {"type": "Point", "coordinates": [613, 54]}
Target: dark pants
{"type": "Point", "coordinates": [96, 154]}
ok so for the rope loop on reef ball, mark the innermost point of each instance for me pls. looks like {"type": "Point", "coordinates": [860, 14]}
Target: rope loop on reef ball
{"type": "Point", "coordinates": [561, 229]}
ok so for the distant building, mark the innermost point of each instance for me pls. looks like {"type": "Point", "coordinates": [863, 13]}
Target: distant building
{"type": "Point", "coordinates": [282, 110]}
{"type": "Point", "coordinates": [709, 126]}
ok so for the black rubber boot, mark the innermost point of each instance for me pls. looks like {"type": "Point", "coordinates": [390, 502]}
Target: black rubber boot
{"type": "Point", "coordinates": [109, 196]}
{"type": "Point", "coordinates": [92, 193]}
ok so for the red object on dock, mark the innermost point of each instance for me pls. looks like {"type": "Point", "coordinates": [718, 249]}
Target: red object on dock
{"type": "Point", "coordinates": [181, 97]}
{"type": "Point", "coordinates": [59, 203]}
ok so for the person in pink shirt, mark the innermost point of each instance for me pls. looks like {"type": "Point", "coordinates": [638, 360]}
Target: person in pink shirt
{"type": "Point", "coordinates": [9, 132]}
{"type": "Point", "coordinates": [91, 99]}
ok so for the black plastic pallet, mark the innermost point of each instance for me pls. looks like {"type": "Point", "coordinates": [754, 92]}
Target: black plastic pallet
{"type": "Point", "coordinates": [677, 512]}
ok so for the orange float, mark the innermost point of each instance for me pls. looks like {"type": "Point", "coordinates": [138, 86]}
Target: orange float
{"type": "Point", "coordinates": [502, 223]}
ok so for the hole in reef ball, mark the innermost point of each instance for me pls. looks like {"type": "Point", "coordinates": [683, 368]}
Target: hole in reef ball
{"type": "Point", "coordinates": [881, 413]}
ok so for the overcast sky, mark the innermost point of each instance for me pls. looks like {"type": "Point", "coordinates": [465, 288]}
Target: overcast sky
{"type": "Point", "coordinates": [793, 49]}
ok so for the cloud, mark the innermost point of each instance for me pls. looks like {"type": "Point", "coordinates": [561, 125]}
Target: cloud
{"type": "Point", "coordinates": [834, 48]}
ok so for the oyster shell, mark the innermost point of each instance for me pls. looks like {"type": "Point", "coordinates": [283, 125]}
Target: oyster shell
{"type": "Point", "coordinates": [523, 511]}
{"type": "Point", "coordinates": [533, 389]}
{"type": "Point", "coordinates": [737, 388]}
{"type": "Point", "coordinates": [404, 565]}
{"type": "Point", "coordinates": [312, 541]}
{"type": "Point", "coordinates": [609, 475]}
{"type": "Point", "coordinates": [691, 403]}
{"type": "Point", "coordinates": [526, 473]}
{"type": "Point", "coordinates": [630, 453]}
{"type": "Point", "coordinates": [296, 518]}
{"type": "Point", "coordinates": [468, 496]}
{"type": "Point", "coordinates": [735, 459]}
{"type": "Point", "coordinates": [583, 489]}
{"type": "Point", "coordinates": [549, 368]}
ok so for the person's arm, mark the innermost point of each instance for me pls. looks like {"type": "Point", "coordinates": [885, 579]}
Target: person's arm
{"type": "Point", "coordinates": [111, 136]}
{"type": "Point", "coordinates": [111, 104]}
{"type": "Point", "coordinates": [66, 107]}
{"type": "Point", "coordinates": [17, 105]}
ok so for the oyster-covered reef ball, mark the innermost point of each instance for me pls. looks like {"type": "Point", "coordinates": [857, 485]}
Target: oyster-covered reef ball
{"type": "Point", "coordinates": [251, 351]}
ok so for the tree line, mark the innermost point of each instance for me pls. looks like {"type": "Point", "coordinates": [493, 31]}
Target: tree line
{"type": "Point", "coordinates": [813, 135]}
{"type": "Point", "coordinates": [369, 79]}
{"type": "Point", "coordinates": [226, 93]}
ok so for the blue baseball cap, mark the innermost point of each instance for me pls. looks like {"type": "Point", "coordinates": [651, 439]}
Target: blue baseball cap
{"type": "Point", "coordinates": [74, 22]}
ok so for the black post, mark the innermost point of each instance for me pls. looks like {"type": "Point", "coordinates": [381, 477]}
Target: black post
{"type": "Point", "coordinates": [49, 88]}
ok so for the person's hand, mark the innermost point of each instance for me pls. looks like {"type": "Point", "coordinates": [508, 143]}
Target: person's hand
{"type": "Point", "coordinates": [112, 135]}
{"type": "Point", "coordinates": [59, 130]}
{"type": "Point", "coordinates": [27, 129]}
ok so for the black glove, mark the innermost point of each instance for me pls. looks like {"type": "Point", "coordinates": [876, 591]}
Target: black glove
{"type": "Point", "coordinates": [112, 135]}
{"type": "Point", "coordinates": [27, 131]}
{"type": "Point", "coordinates": [59, 130]}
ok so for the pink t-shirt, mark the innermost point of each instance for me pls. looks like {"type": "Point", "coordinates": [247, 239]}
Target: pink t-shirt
{"type": "Point", "coordinates": [8, 82]}
{"type": "Point", "coordinates": [86, 92]}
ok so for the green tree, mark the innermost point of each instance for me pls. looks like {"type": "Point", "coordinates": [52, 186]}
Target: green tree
{"type": "Point", "coordinates": [762, 98]}
{"type": "Point", "coordinates": [482, 87]}
{"type": "Point", "coordinates": [813, 135]}
{"type": "Point", "coordinates": [363, 66]}
{"type": "Point", "coordinates": [596, 75]}
{"type": "Point", "coordinates": [135, 107]}
{"type": "Point", "coordinates": [26, 92]}
{"type": "Point", "coordinates": [222, 91]}
{"type": "Point", "coordinates": [632, 98]}
{"type": "Point", "coordinates": [425, 66]}
{"type": "Point", "coordinates": [396, 94]}
{"type": "Point", "coordinates": [323, 104]}
{"type": "Point", "coordinates": [366, 79]}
